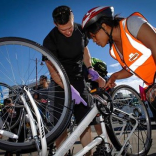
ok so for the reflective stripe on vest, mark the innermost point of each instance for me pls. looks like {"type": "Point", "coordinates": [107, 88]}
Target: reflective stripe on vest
{"type": "Point", "coordinates": [140, 47]}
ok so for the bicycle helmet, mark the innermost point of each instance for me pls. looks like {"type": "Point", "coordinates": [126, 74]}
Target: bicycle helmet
{"type": "Point", "coordinates": [94, 14]}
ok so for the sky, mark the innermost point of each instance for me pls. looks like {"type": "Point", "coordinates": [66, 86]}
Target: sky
{"type": "Point", "coordinates": [32, 19]}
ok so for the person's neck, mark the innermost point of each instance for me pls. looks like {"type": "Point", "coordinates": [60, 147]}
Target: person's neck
{"type": "Point", "coordinates": [117, 39]}
{"type": "Point", "coordinates": [117, 35]}
{"type": "Point", "coordinates": [45, 85]}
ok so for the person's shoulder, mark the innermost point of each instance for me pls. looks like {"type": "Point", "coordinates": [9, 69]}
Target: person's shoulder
{"type": "Point", "coordinates": [77, 26]}
{"type": "Point", "coordinates": [136, 17]}
{"type": "Point", "coordinates": [52, 32]}
{"type": "Point", "coordinates": [51, 35]}
{"type": "Point", "coordinates": [39, 87]}
{"type": "Point", "coordinates": [134, 22]}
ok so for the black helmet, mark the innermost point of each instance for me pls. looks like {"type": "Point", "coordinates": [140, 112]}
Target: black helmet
{"type": "Point", "coordinates": [95, 13]}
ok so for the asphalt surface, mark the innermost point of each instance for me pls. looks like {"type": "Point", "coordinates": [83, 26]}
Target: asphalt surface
{"type": "Point", "coordinates": [78, 146]}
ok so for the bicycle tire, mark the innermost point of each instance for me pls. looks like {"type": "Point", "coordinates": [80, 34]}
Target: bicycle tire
{"type": "Point", "coordinates": [19, 59]}
{"type": "Point", "coordinates": [5, 89]}
{"type": "Point", "coordinates": [140, 142]}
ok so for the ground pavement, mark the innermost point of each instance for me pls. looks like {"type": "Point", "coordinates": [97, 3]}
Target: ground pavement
{"type": "Point", "coordinates": [78, 146]}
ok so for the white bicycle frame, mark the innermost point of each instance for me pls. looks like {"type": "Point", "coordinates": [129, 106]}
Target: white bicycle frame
{"type": "Point", "coordinates": [43, 150]}
{"type": "Point", "coordinates": [69, 142]}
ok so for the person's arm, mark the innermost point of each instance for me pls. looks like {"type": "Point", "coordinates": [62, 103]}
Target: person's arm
{"type": "Point", "coordinates": [147, 35]}
{"type": "Point", "coordinates": [101, 82]}
{"type": "Point", "coordinates": [87, 61]}
{"type": "Point", "coordinates": [87, 57]}
{"type": "Point", "coordinates": [55, 76]}
{"type": "Point", "coordinates": [122, 74]}
{"type": "Point", "coordinates": [49, 44]}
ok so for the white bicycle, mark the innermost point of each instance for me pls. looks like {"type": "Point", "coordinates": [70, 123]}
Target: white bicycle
{"type": "Point", "coordinates": [37, 125]}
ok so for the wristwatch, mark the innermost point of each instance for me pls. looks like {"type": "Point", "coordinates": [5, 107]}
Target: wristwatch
{"type": "Point", "coordinates": [90, 67]}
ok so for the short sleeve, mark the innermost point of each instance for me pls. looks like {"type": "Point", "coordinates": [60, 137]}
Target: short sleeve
{"type": "Point", "coordinates": [49, 43]}
{"type": "Point", "coordinates": [134, 23]}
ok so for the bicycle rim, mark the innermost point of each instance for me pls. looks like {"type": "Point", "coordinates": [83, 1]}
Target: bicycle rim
{"type": "Point", "coordinates": [125, 98]}
{"type": "Point", "coordinates": [7, 92]}
{"type": "Point", "coordinates": [21, 65]}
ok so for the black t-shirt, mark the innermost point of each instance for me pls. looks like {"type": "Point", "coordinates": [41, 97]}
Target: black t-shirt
{"type": "Point", "coordinates": [68, 50]}
{"type": "Point", "coordinates": [42, 93]}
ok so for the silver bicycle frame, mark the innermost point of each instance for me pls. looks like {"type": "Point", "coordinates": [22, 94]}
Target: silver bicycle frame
{"type": "Point", "coordinates": [42, 151]}
{"type": "Point", "coordinates": [69, 142]}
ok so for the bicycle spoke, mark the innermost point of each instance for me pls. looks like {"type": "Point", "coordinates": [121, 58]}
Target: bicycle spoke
{"type": "Point", "coordinates": [127, 100]}
{"type": "Point", "coordinates": [21, 66]}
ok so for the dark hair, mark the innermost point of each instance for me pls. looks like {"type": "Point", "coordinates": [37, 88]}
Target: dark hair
{"type": "Point", "coordinates": [43, 77]}
{"type": "Point", "coordinates": [7, 101]}
{"type": "Point", "coordinates": [61, 15]}
{"type": "Point", "coordinates": [95, 27]}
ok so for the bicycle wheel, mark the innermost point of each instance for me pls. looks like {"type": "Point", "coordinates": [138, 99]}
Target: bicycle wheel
{"type": "Point", "coordinates": [126, 99]}
{"type": "Point", "coordinates": [8, 92]}
{"type": "Point", "coordinates": [21, 65]}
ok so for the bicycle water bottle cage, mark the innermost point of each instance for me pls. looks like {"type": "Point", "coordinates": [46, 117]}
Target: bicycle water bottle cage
{"type": "Point", "coordinates": [103, 101]}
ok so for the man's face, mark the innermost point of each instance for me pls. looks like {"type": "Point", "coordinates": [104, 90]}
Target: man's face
{"type": "Point", "coordinates": [9, 107]}
{"type": "Point", "coordinates": [42, 81]}
{"type": "Point", "coordinates": [66, 29]}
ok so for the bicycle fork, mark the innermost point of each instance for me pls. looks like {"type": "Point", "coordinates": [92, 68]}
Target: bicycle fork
{"type": "Point", "coordinates": [42, 140]}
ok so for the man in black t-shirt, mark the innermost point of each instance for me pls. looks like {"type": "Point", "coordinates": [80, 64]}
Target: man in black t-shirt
{"type": "Point", "coordinates": [42, 95]}
{"type": "Point", "coordinates": [67, 42]}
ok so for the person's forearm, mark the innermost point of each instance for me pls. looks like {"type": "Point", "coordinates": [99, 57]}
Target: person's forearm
{"type": "Point", "coordinates": [101, 82]}
{"type": "Point", "coordinates": [122, 74]}
{"type": "Point", "coordinates": [55, 76]}
{"type": "Point", "coordinates": [87, 58]}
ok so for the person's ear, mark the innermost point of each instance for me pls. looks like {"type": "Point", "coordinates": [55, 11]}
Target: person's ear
{"type": "Point", "coordinates": [104, 26]}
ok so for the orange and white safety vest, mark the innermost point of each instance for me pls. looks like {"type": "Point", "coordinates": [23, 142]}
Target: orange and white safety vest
{"type": "Point", "coordinates": [136, 58]}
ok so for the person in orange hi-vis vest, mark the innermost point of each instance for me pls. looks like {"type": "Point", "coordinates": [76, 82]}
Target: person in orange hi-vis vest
{"type": "Point", "coordinates": [132, 43]}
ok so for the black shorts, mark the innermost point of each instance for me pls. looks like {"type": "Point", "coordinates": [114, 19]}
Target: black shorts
{"type": "Point", "coordinates": [79, 110]}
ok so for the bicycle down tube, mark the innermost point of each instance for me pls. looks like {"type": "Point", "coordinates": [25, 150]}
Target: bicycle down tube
{"type": "Point", "coordinates": [69, 142]}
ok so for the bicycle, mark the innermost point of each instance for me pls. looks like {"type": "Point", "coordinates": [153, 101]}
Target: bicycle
{"type": "Point", "coordinates": [25, 86]}
{"type": "Point", "coordinates": [123, 127]}
{"type": "Point", "coordinates": [19, 69]}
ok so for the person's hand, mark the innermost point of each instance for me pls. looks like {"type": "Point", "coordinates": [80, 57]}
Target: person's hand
{"type": "Point", "coordinates": [94, 74]}
{"type": "Point", "coordinates": [43, 101]}
{"type": "Point", "coordinates": [101, 82]}
{"type": "Point", "coordinates": [76, 96]}
{"type": "Point", "coordinates": [111, 83]}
